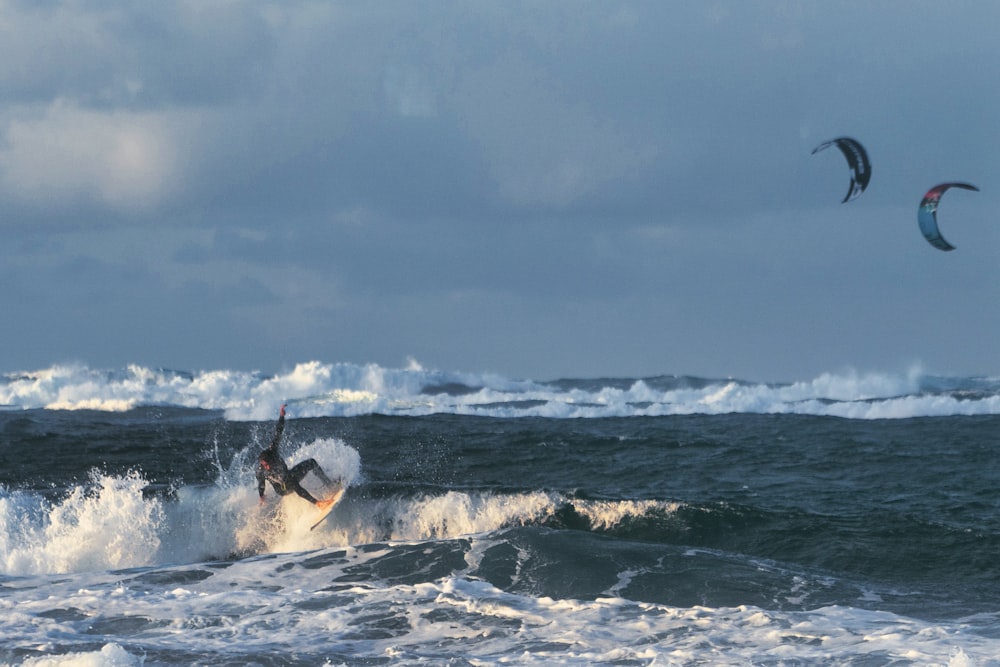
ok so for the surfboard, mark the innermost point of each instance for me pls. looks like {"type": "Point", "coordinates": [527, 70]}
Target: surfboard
{"type": "Point", "coordinates": [329, 503]}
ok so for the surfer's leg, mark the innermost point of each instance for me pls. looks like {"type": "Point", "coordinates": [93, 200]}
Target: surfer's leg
{"type": "Point", "coordinates": [305, 494]}
{"type": "Point", "coordinates": [322, 476]}
{"type": "Point", "coordinates": [307, 466]}
{"type": "Point", "coordinates": [302, 469]}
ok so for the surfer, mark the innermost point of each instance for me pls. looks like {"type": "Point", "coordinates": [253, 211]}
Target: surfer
{"type": "Point", "coordinates": [272, 468]}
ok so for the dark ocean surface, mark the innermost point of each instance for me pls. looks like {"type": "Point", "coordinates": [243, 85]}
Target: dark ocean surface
{"type": "Point", "coordinates": [848, 520]}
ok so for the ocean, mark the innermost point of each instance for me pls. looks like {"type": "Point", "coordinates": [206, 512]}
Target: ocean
{"type": "Point", "coordinates": [847, 519]}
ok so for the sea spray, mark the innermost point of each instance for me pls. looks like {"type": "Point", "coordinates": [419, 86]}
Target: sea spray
{"type": "Point", "coordinates": [105, 524]}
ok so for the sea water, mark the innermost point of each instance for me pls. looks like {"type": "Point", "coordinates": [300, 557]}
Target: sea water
{"type": "Point", "coordinates": [849, 519]}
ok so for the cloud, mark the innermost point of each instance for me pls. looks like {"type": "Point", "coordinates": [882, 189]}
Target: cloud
{"type": "Point", "coordinates": [380, 180]}
{"type": "Point", "coordinates": [543, 148]}
{"type": "Point", "coordinates": [64, 155]}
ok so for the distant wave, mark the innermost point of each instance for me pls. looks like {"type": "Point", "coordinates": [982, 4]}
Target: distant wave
{"type": "Point", "coordinates": [316, 389]}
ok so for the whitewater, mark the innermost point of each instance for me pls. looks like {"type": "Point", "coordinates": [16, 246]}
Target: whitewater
{"type": "Point", "coordinates": [849, 519]}
{"type": "Point", "coordinates": [328, 390]}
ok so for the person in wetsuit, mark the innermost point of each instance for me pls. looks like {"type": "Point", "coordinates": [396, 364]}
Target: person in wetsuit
{"type": "Point", "coordinates": [272, 468]}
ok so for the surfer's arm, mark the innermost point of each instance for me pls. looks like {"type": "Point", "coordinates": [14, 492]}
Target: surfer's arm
{"type": "Point", "coordinates": [279, 429]}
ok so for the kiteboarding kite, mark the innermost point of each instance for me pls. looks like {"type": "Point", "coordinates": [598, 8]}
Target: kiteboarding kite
{"type": "Point", "coordinates": [857, 160]}
{"type": "Point", "coordinates": [927, 215]}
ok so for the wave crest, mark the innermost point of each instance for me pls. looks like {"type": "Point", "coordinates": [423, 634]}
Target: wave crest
{"type": "Point", "coordinates": [315, 389]}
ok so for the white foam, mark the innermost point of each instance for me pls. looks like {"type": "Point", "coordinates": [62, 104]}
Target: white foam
{"type": "Point", "coordinates": [606, 514]}
{"type": "Point", "coordinates": [316, 389]}
{"type": "Point", "coordinates": [103, 525]}
{"type": "Point", "coordinates": [109, 523]}
{"type": "Point", "coordinates": [111, 655]}
{"type": "Point", "coordinates": [457, 513]}
{"type": "Point", "coordinates": [277, 604]}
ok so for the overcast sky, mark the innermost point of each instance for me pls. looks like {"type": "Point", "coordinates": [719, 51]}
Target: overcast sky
{"type": "Point", "coordinates": [539, 189]}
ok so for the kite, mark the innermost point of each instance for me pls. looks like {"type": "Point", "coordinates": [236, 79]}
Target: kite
{"type": "Point", "coordinates": [857, 160]}
{"type": "Point", "coordinates": [927, 215]}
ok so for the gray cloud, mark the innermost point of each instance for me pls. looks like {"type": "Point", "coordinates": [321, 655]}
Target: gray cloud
{"type": "Point", "coordinates": [539, 189]}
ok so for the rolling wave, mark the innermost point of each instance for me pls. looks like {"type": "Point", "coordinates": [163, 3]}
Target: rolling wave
{"type": "Point", "coordinates": [317, 389]}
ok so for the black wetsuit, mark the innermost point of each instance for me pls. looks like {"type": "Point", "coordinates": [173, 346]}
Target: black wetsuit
{"type": "Point", "coordinates": [271, 468]}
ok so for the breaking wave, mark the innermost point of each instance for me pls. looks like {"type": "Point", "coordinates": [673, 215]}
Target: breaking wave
{"type": "Point", "coordinates": [316, 389]}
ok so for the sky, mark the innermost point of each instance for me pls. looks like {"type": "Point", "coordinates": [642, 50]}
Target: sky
{"type": "Point", "coordinates": [536, 189]}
